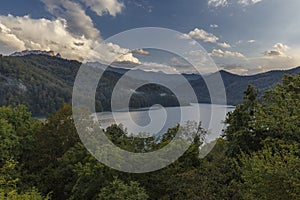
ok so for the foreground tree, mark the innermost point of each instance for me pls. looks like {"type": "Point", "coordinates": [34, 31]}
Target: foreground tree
{"type": "Point", "coordinates": [118, 190]}
{"type": "Point", "coordinates": [264, 139]}
{"type": "Point", "coordinates": [258, 158]}
{"type": "Point", "coordinates": [240, 133]}
{"type": "Point", "coordinates": [272, 173]}
{"type": "Point", "coordinates": [16, 145]}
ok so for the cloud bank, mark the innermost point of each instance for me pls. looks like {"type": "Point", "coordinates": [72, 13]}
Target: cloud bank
{"type": "Point", "coordinates": [221, 53]}
{"type": "Point", "coordinates": [201, 34]}
{"type": "Point", "coordinates": [71, 32]}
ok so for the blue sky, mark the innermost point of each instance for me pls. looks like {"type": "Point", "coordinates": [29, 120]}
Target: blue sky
{"type": "Point", "coordinates": [242, 36]}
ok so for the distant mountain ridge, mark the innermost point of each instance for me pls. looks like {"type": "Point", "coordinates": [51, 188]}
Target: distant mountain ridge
{"type": "Point", "coordinates": [35, 52]}
{"type": "Point", "coordinates": [235, 84]}
{"type": "Point", "coordinates": [44, 83]}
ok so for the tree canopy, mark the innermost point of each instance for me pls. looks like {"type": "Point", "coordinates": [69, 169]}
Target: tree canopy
{"type": "Point", "coordinates": [257, 158]}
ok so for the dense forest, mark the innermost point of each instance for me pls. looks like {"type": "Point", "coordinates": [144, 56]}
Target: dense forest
{"type": "Point", "coordinates": [258, 156]}
{"type": "Point", "coordinates": [45, 84]}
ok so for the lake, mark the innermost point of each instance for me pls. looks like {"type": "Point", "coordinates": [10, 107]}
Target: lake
{"type": "Point", "coordinates": [157, 120]}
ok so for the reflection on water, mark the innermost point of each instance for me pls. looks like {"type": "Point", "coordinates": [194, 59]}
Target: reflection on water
{"type": "Point", "coordinates": [158, 120]}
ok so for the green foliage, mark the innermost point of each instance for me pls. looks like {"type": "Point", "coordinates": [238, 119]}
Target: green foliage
{"type": "Point", "coordinates": [118, 190]}
{"type": "Point", "coordinates": [16, 132]}
{"type": "Point", "coordinates": [240, 132]}
{"type": "Point", "coordinates": [9, 184]}
{"type": "Point", "coordinates": [41, 82]}
{"type": "Point", "coordinates": [272, 173]}
{"type": "Point", "coordinates": [264, 139]}
{"type": "Point", "coordinates": [45, 84]}
{"type": "Point", "coordinates": [279, 116]}
{"type": "Point", "coordinates": [258, 157]}
{"type": "Point", "coordinates": [9, 141]}
{"type": "Point", "coordinates": [276, 117]}
{"type": "Point", "coordinates": [29, 195]}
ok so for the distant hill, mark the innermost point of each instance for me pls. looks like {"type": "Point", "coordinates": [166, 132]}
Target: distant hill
{"type": "Point", "coordinates": [235, 85]}
{"type": "Point", "coordinates": [45, 82]}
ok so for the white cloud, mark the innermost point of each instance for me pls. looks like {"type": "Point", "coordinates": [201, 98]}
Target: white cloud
{"type": "Point", "coordinates": [248, 2]}
{"type": "Point", "coordinates": [179, 61]}
{"type": "Point", "coordinates": [196, 53]}
{"type": "Point", "coordinates": [20, 33]}
{"type": "Point", "coordinates": [199, 57]}
{"type": "Point", "coordinates": [271, 60]}
{"type": "Point", "coordinates": [243, 68]}
{"type": "Point", "coordinates": [128, 57]}
{"type": "Point", "coordinates": [224, 3]}
{"type": "Point", "coordinates": [202, 35]}
{"type": "Point", "coordinates": [214, 26]}
{"type": "Point", "coordinates": [217, 3]}
{"type": "Point", "coordinates": [158, 67]}
{"type": "Point", "coordinates": [280, 57]}
{"type": "Point", "coordinates": [79, 22]}
{"type": "Point", "coordinates": [272, 53]}
{"type": "Point", "coordinates": [281, 47]}
{"type": "Point", "coordinates": [193, 43]}
{"type": "Point", "coordinates": [235, 68]}
{"type": "Point", "coordinates": [224, 45]}
{"type": "Point", "coordinates": [251, 41]}
{"type": "Point", "coordinates": [101, 7]}
{"type": "Point", "coordinates": [274, 61]}
{"type": "Point", "coordinates": [245, 41]}
{"type": "Point", "coordinates": [278, 51]}
{"type": "Point", "coordinates": [72, 33]}
{"type": "Point", "coordinates": [220, 53]}
{"type": "Point", "coordinates": [9, 41]}
{"type": "Point", "coordinates": [275, 53]}
{"type": "Point", "coordinates": [141, 52]}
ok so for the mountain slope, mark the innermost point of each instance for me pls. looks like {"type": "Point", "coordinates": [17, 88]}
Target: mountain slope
{"type": "Point", "coordinates": [235, 85]}
{"type": "Point", "coordinates": [44, 83]}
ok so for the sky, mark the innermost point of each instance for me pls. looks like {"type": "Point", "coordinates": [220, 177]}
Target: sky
{"type": "Point", "coordinates": [241, 36]}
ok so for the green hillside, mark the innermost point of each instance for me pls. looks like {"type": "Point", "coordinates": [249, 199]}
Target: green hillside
{"type": "Point", "coordinates": [45, 83]}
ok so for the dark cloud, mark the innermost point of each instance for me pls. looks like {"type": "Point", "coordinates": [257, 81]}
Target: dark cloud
{"type": "Point", "coordinates": [273, 53]}
{"type": "Point", "coordinates": [79, 43]}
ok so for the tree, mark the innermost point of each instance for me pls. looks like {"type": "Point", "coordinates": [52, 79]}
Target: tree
{"type": "Point", "coordinates": [272, 173]}
{"type": "Point", "coordinates": [10, 184]}
{"type": "Point", "coordinates": [54, 138]}
{"type": "Point", "coordinates": [264, 139]}
{"type": "Point", "coordinates": [279, 116]}
{"type": "Point", "coordinates": [17, 142]}
{"type": "Point", "coordinates": [240, 133]}
{"type": "Point", "coordinates": [118, 190]}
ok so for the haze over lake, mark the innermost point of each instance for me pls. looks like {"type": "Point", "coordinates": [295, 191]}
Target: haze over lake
{"type": "Point", "coordinates": [157, 120]}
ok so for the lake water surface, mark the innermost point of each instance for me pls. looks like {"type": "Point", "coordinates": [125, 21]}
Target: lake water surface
{"type": "Point", "coordinates": [157, 120]}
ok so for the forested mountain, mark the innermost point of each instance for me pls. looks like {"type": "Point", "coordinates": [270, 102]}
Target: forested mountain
{"type": "Point", "coordinates": [235, 84]}
{"type": "Point", "coordinates": [258, 157]}
{"type": "Point", "coordinates": [44, 83]}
